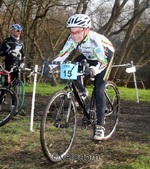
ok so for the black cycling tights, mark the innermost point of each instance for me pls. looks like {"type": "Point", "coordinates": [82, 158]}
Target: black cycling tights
{"type": "Point", "coordinates": [99, 85]}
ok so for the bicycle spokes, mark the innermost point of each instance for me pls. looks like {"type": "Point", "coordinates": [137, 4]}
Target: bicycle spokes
{"type": "Point", "coordinates": [58, 126]}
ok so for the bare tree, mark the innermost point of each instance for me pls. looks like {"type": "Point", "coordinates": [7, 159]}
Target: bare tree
{"type": "Point", "coordinates": [44, 30]}
{"type": "Point", "coordinates": [131, 39]}
{"type": "Point", "coordinates": [125, 29]}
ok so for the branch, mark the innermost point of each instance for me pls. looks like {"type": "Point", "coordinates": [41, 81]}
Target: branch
{"type": "Point", "coordinates": [143, 64]}
{"type": "Point", "coordinates": [114, 16]}
{"type": "Point", "coordinates": [123, 28]}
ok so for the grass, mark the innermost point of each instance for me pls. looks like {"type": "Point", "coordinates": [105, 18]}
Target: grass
{"type": "Point", "coordinates": [130, 94]}
{"type": "Point", "coordinates": [21, 149]}
{"type": "Point", "coordinates": [43, 88]}
{"type": "Point", "coordinates": [125, 93]}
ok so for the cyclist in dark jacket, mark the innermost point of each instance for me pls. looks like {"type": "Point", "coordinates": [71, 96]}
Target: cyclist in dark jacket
{"type": "Point", "coordinates": [13, 49]}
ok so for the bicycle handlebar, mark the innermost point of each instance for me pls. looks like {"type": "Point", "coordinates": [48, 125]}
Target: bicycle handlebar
{"type": "Point", "coordinates": [82, 63]}
{"type": "Point", "coordinates": [11, 70]}
{"type": "Point", "coordinates": [5, 71]}
{"type": "Point", "coordinates": [28, 69]}
{"type": "Point", "coordinates": [32, 71]}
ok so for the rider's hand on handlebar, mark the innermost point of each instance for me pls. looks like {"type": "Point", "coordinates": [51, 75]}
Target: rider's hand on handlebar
{"type": "Point", "coordinates": [94, 70]}
{"type": "Point", "coordinates": [89, 73]}
{"type": "Point", "coordinates": [22, 65]}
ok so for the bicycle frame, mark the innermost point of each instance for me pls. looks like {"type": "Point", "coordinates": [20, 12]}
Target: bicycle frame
{"type": "Point", "coordinates": [88, 111]}
{"type": "Point", "coordinates": [81, 103]}
{"type": "Point", "coordinates": [16, 81]}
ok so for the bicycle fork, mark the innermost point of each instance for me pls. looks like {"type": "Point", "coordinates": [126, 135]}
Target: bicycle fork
{"type": "Point", "coordinates": [63, 115]}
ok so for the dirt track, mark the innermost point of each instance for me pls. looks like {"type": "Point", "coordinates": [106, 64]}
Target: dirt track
{"type": "Point", "coordinates": [134, 117]}
{"type": "Point", "coordinates": [134, 126]}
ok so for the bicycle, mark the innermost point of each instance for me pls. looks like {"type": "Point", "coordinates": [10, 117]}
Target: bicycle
{"type": "Point", "coordinates": [59, 120]}
{"type": "Point", "coordinates": [8, 102]}
{"type": "Point", "coordinates": [16, 84]}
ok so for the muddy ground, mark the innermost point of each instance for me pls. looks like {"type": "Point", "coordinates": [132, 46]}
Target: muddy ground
{"type": "Point", "coordinates": [133, 126]}
{"type": "Point", "coordinates": [134, 117]}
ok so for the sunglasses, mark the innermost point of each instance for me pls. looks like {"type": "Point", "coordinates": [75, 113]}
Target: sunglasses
{"type": "Point", "coordinates": [17, 30]}
{"type": "Point", "coordinates": [77, 32]}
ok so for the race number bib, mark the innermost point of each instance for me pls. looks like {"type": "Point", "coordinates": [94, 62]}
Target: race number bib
{"type": "Point", "coordinates": [68, 71]}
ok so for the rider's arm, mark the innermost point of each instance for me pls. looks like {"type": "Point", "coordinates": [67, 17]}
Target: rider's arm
{"type": "Point", "coordinates": [102, 43]}
{"type": "Point", "coordinates": [22, 51]}
{"type": "Point", "coordinates": [3, 49]}
{"type": "Point", "coordinates": [64, 53]}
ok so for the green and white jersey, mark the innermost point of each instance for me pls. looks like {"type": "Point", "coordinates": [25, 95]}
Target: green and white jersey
{"type": "Point", "coordinates": [93, 47]}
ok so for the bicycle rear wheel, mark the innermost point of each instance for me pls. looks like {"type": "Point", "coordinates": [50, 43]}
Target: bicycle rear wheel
{"type": "Point", "coordinates": [112, 109]}
{"type": "Point", "coordinates": [19, 89]}
{"type": "Point", "coordinates": [8, 105]}
{"type": "Point", "coordinates": [58, 126]}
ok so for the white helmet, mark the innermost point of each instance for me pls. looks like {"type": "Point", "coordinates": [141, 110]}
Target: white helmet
{"type": "Point", "coordinates": [79, 20]}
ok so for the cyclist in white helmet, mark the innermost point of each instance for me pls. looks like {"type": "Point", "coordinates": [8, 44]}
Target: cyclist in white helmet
{"type": "Point", "coordinates": [99, 52]}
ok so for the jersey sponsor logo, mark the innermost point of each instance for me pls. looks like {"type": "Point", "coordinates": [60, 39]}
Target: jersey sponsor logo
{"type": "Point", "coordinates": [93, 42]}
{"type": "Point", "coordinates": [66, 44]}
{"type": "Point", "coordinates": [18, 47]}
{"type": "Point", "coordinates": [85, 47]}
{"type": "Point", "coordinates": [98, 50]}
{"type": "Point", "coordinates": [86, 52]}
{"type": "Point", "coordinates": [91, 57]}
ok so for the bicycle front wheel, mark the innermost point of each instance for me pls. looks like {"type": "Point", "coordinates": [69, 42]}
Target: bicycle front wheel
{"type": "Point", "coordinates": [112, 109]}
{"type": "Point", "coordinates": [8, 105]}
{"type": "Point", "coordinates": [58, 126]}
